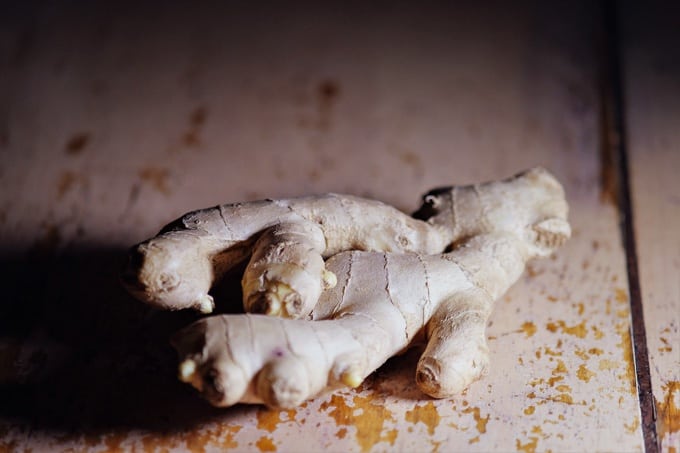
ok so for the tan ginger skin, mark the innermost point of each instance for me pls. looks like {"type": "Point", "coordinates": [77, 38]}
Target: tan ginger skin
{"type": "Point", "coordinates": [381, 301]}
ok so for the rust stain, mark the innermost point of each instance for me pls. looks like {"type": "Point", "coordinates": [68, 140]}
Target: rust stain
{"type": "Point", "coordinates": [529, 447]}
{"type": "Point", "coordinates": [597, 332]}
{"type": "Point", "coordinates": [581, 308]}
{"type": "Point", "coordinates": [668, 410]}
{"type": "Point", "coordinates": [584, 373]}
{"type": "Point", "coordinates": [368, 419]}
{"type": "Point", "coordinates": [197, 118]}
{"type": "Point", "coordinates": [626, 347]}
{"type": "Point", "coordinates": [529, 329]}
{"type": "Point", "coordinates": [529, 410]}
{"type": "Point", "coordinates": [328, 91]}
{"type": "Point", "coordinates": [621, 295]}
{"type": "Point", "coordinates": [269, 420]}
{"type": "Point", "coordinates": [67, 181]}
{"type": "Point", "coordinates": [579, 330]}
{"type": "Point", "coordinates": [342, 432]}
{"type": "Point", "coordinates": [633, 427]}
{"type": "Point", "coordinates": [157, 177]}
{"type": "Point", "coordinates": [666, 345]}
{"type": "Point", "coordinates": [426, 414]}
{"type": "Point", "coordinates": [265, 444]}
{"type": "Point", "coordinates": [77, 143]}
{"type": "Point", "coordinates": [481, 421]}
{"type": "Point", "coordinates": [580, 353]}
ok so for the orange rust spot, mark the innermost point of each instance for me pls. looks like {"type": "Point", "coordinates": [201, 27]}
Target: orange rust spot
{"type": "Point", "coordinates": [554, 379]}
{"type": "Point", "coordinates": [426, 414]}
{"type": "Point", "coordinates": [584, 373]}
{"type": "Point", "coordinates": [481, 421]}
{"type": "Point", "coordinates": [627, 352]}
{"type": "Point", "coordinates": [579, 330]}
{"type": "Point", "coordinates": [369, 422]}
{"type": "Point", "coordinates": [623, 313]}
{"type": "Point", "coordinates": [342, 432]}
{"type": "Point", "coordinates": [529, 447]}
{"type": "Point", "coordinates": [269, 420]}
{"type": "Point", "coordinates": [667, 345]}
{"type": "Point", "coordinates": [595, 351]}
{"type": "Point", "coordinates": [474, 440]}
{"type": "Point", "coordinates": [668, 410]}
{"type": "Point", "coordinates": [597, 332]}
{"type": "Point", "coordinates": [552, 298]}
{"type": "Point", "coordinates": [77, 143]}
{"type": "Point", "coordinates": [621, 295]}
{"type": "Point", "coordinates": [633, 427]}
{"type": "Point", "coordinates": [581, 308]}
{"type": "Point", "coordinates": [549, 351]}
{"type": "Point", "coordinates": [196, 119]}
{"type": "Point", "coordinates": [157, 177]}
{"type": "Point", "coordinates": [265, 444]}
{"type": "Point", "coordinates": [529, 410]}
{"type": "Point", "coordinates": [561, 368]}
{"type": "Point", "coordinates": [581, 354]}
{"type": "Point", "coordinates": [563, 388]}
{"type": "Point", "coordinates": [562, 398]}
{"type": "Point", "coordinates": [529, 329]}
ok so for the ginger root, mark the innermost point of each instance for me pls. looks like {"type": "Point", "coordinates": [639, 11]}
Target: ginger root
{"type": "Point", "coordinates": [382, 301]}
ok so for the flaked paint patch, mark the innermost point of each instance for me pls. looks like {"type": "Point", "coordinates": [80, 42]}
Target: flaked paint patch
{"type": "Point", "coordinates": [426, 414]}
{"type": "Point", "coordinates": [265, 444]}
{"type": "Point", "coordinates": [366, 417]}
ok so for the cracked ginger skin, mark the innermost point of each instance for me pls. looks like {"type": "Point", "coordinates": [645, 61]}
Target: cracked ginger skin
{"type": "Point", "coordinates": [383, 300]}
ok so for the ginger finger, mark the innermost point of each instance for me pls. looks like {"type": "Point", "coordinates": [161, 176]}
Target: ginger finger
{"type": "Point", "coordinates": [457, 353]}
{"type": "Point", "coordinates": [286, 272]}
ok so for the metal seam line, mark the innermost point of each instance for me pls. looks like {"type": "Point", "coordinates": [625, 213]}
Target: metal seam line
{"type": "Point", "coordinates": [615, 138]}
